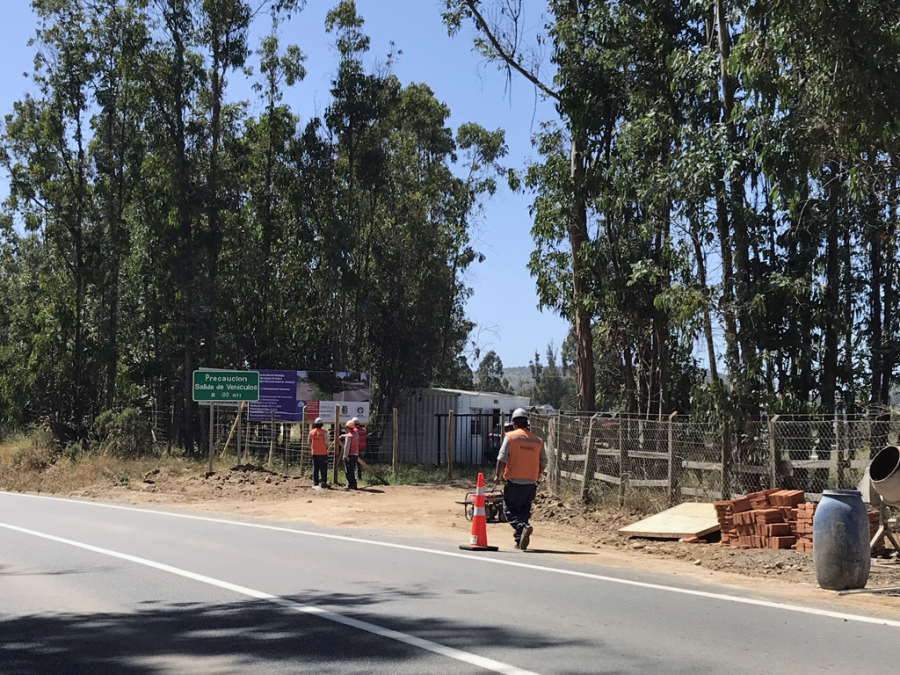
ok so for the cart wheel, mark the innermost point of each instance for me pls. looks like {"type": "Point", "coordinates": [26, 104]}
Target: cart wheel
{"type": "Point", "coordinates": [490, 513]}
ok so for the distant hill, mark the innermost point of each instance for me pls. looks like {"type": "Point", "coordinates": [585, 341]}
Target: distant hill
{"type": "Point", "coordinates": [519, 378]}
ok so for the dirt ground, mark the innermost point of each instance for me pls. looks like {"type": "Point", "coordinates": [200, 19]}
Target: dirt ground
{"type": "Point", "coordinates": [560, 528]}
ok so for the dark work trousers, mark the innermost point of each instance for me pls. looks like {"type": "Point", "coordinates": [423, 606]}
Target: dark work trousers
{"type": "Point", "coordinates": [350, 469]}
{"type": "Point", "coordinates": [517, 499]}
{"type": "Point", "coordinates": [320, 468]}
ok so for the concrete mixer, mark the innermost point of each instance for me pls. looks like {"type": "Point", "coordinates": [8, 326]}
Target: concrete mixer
{"type": "Point", "coordinates": [880, 487]}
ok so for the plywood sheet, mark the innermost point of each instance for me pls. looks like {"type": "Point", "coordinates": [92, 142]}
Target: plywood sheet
{"type": "Point", "coordinates": [685, 520]}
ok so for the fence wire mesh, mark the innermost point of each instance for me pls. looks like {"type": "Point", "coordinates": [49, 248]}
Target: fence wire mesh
{"type": "Point", "coordinates": [610, 457]}
{"type": "Point", "coordinates": [678, 459]}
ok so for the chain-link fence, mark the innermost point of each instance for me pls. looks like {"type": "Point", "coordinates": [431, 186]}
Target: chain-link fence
{"type": "Point", "coordinates": [474, 440]}
{"type": "Point", "coordinates": [599, 456]}
{"type": "Point", "coordinates": [617, 457]}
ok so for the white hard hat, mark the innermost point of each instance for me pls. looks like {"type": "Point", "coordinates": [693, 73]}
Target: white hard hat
{"type": "Point", "coordinates": [319, 420]}
{"type": "Point", "coordinates": [519, 413]}
{"type": "Point", "coordinates": [356, 421]}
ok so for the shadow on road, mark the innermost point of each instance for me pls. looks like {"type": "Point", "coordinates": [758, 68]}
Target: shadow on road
{"type": "Point", "coordinates": [250, 636]}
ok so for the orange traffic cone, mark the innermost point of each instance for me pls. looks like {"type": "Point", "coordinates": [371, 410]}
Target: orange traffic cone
{"type": "Point", "coordinates": [479, 522]}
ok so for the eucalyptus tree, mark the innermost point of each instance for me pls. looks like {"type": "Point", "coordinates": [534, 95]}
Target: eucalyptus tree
{"type": "Point", "coordinates": [46, 156]}
{"type": "Point", "coordinates": [499, 37]}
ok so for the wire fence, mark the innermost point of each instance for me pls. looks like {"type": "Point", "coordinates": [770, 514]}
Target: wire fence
{"type": "Point", "coordinates": [612, 457]}
{"type": "Point", "coordinates": [599, 456]}
{"type": "Point", "coordinates": [474, 440]}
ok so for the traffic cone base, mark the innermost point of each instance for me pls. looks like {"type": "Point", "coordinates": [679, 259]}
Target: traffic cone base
{"type": "Point", "coordinates": [478, 541]}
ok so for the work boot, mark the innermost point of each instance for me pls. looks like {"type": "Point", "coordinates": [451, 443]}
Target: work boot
{"type": "Point", "coordinates": [526, 537]}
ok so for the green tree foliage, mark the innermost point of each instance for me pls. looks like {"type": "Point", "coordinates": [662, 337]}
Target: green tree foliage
{"type": "Point", "coordinates": [736, 164]}
{"type": "Point", "coordinates": [489, 376]}
{"type": "Point", "coordinates": [154, 225]}
{"type": "Point", "coordinates": [553, 384]}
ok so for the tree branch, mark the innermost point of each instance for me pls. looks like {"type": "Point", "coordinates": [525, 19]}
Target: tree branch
{"type": "Point", "coordinates": [511, 62]}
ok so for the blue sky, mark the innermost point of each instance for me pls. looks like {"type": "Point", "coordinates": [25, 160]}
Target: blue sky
{"type": "Point", "coordinates": [504, 300]}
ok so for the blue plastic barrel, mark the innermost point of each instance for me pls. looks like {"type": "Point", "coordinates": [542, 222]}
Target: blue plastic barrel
{"type": "Point", "coordinates": [841, 541]}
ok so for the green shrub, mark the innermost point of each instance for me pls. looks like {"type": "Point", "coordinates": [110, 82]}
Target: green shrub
{"type": "Point", "coordinates": [124, 434]}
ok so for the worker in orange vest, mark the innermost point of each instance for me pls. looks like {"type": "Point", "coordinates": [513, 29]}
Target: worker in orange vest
{"type": "Point", "coordinates": [351, 454]}
{"type": "Point", "coordinates": [521, 461]}
{"type": "Point", "coordinates": [319, 449]}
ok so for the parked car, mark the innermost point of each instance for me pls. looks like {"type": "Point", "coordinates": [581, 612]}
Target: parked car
{"type": "Point", "coordinates": [495, 439]}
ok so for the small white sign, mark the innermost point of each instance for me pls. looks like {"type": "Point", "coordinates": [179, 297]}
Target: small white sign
{"type": "Point", "coordinates": [347, 410]}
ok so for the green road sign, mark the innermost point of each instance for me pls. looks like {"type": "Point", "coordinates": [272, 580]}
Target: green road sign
{"type": "Point", "coordinates": [226, 385]}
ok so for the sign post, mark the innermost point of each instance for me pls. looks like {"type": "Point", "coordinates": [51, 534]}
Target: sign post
{"type": "Point", "coordinates": [212, 434]}
{"type": "Point", "coordinates": [239, 448]}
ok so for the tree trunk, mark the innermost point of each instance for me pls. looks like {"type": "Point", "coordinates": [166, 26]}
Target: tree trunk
{"type": "Point", "coordinates": [740, 238]}
{"type": "Point", "coordinates": [732, 356]}
{"type": "Point", "coordinates": [630, 385]}
{"type": "Point", "coordinates": [707, 321]}
{"type": "Point", "coordinates": [831, 311]}
{"type": "Point", "coordinates": [876, 345]}
{"type": "Point", "coordinates": [578, 236]}
{"type": "Point", "coordinates": [213, 241]}
{"type": "Point", "coordinates": [888, 334]}
{"type": "Point", "coordinates": [186, 273]}
{"type": "Point", "coordinates": [846, 369]}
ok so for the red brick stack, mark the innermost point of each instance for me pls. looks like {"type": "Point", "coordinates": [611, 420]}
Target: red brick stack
{"type": "Point", "coordinates": [802, 526]}
{"type": "Point", "coordinates": [759, 520]}
{"type": "Point", "coordinates": [725, 514]}
{"type": "Point", "coordinates": [775, 519]}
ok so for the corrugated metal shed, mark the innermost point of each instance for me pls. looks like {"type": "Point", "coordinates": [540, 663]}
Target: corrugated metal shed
{"type": "Point", "coordinates": [422, 435]}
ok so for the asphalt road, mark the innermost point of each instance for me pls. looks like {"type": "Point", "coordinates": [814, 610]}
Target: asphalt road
{"type": "Point", "coordinates": [87, 588]}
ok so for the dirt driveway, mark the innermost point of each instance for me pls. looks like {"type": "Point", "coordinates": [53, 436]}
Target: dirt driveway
{"type": "Point", "coordinates": [560, 527]}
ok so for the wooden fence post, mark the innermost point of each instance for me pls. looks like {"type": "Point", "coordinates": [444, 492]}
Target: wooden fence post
{"type": "Point", "coordinates": [590, 461]}
{"type": "Point", "coordinates": [673, 474]}
{"type": "Point", "coordinates": [553, 456]}
{"type": "Point", "coordinates": [286, 440]}
{"type": "Point", "coordinates": [228, 439]}
{"type": "Point", "coordinates": [840, 441]}
{"type": "Point", "coordinates": [395, 463]}
{"type": "Point", "coordinates": [272, 439]}
{"type": "Point", "coordinates": [338, 451]}
{"type": "Point", "coordinates": [305, 428]}
{"type": "Point", "coordinates": [212, 432]}
{"type": "Point", "coordinates": [623, 460]}
{"type": "Point", "coordinates": [773, 454]}
{"type": "Point", "coordinates": [726, 461]}
{"type": "Point", "coordinates": [450, 444]}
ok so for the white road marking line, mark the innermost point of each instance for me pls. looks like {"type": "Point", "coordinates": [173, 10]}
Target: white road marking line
{"type": "Point", "coordinates": [412, 640]}
{"type": "Point", "coordinates": [496, 561]}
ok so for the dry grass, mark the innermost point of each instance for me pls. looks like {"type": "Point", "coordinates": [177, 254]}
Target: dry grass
{"type": "Point", "coordinates": [34, 463]}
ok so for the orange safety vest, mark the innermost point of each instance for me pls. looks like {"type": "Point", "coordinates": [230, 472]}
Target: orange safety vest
{"type": "Point", "coordinates": [524, 460]}
{"type": "Point", "coordinates": [317, 441]}
{"type": "Point", "coordinates": [362, 433]}
{"type": "Point", "coordinates": [354, 441]}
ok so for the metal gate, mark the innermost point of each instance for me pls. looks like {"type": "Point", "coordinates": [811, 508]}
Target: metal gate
{"type": "Point", "coordinates": [476, 438]}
